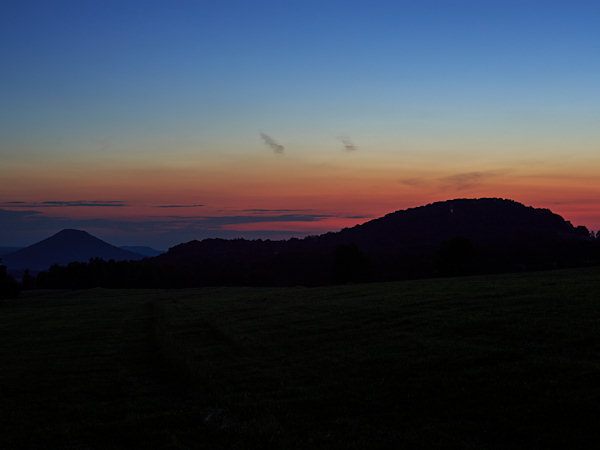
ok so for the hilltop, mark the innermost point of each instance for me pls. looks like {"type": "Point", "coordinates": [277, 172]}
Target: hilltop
{"type": "Point", "coordinates": [64, 247]}
{"type": "Point", "coordinates": [451, 237]}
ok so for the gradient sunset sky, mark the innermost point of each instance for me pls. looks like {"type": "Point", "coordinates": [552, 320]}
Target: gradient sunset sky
{"type": "Point", "coordinates": [158, 122]}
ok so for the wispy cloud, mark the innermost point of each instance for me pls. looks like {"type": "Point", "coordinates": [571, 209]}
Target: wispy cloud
{"type": "Point", "coordinates": [414, 182]}
{"type": "Point", "coordinates": [348, 144]}
{"type": "Point", "coordinates": [64, 204]}
{"type": "Point", "coordinates": [469, 180]}
{"type": "Point", "coordinates": [270, 142]}
{"type": "Point", "coordinates": [220, 221]}
{"type": "Point", "coordinates": [458, 181]}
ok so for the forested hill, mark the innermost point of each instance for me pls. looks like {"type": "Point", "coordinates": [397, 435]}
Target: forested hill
{"type": "Point", "coordinates": [483, 221]}
{"type": "Point", "coordinates": [500, 234]}
{"type": "Point", "coordinates": [454, 237]}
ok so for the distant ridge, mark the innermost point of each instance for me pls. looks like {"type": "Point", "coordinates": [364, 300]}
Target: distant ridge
{"type": "Point", "coordinates": [450, 238]}
{"type": "Point", "coordinates": [8, 250]}
{"type": "Point", "coordinates": [64, 247]}
{"type": "Point", "coordinates": [504, 235]}
{"type": "Point", "coordinates": [484, 221]}
{"type": "Point", "coordinates": [142, 250]}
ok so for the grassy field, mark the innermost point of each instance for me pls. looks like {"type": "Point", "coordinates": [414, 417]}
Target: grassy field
{"type": "Point", "coordinates": [492, 362]}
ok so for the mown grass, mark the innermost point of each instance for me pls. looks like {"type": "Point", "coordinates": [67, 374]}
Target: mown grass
{"type": "Point", "coordinates": [491, 362]}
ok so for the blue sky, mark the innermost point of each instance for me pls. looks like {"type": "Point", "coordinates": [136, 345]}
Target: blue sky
{"type": "Point", "coordinates": [430, 89]}
{"type": "Point", "coordinates": [128, 68]}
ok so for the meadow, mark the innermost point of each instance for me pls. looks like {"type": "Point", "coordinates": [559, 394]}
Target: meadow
{"type": "Point", "coordinates": [491, 362]}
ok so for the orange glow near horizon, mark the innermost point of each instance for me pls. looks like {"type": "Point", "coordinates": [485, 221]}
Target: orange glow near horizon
{"type": "Point", "coordinates": [326, 193]}
{"type": "Point", "coordinates": [306, 115]}
{"type": "Point", "coordinates": [339, 191]}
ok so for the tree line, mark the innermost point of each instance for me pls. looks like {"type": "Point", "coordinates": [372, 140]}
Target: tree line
{"type": "Point", "coordinates": [344, 263]}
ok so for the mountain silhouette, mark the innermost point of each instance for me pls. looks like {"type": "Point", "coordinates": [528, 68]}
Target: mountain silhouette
{"type": "Point", "coordinates": [449, 238]}
{"type": "Point", "coordinates": [64, 247]}
{"type": "Point", "coordinates": [8, 250]}
{"type": "Point", "coordinates": [503, 235]}
{"type": "Point", "coordinates": [142, 250]}
{"type": "Point", "coordinates": [485, 221]}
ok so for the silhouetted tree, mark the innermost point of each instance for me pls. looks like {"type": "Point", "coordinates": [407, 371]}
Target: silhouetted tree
{"type": "Point", "coordinates": [349, 264]}
{"type": "Point", "coordinates": [9, 288]}
{"type": "Point", "coordinates": [28, 281]}
{"type": "Point", "coordinates": [456, 257]}
{"type": "Point", "coordinates": [415, 243]}
{"type": "Point", "coordinates": [584, 232]}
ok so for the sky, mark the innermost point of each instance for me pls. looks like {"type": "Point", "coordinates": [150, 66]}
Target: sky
{"type": "Point", "coordinates": [158, 122]}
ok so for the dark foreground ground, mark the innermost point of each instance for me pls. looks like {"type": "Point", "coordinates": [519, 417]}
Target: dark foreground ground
{"type": "Point", "coordinates": [502, 362]}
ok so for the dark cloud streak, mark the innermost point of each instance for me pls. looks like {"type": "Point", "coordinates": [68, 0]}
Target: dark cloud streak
{"type": "Point", "coordinates": [348, 144]}
{"type": "Point", "coordinates": [65, 204]}
{"type": "Point", "coordinates": [270, 142]}
{"type": "Point", "coordinates": [358, 217]}
{"type": "Point", "coordinates": [219, 221]}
